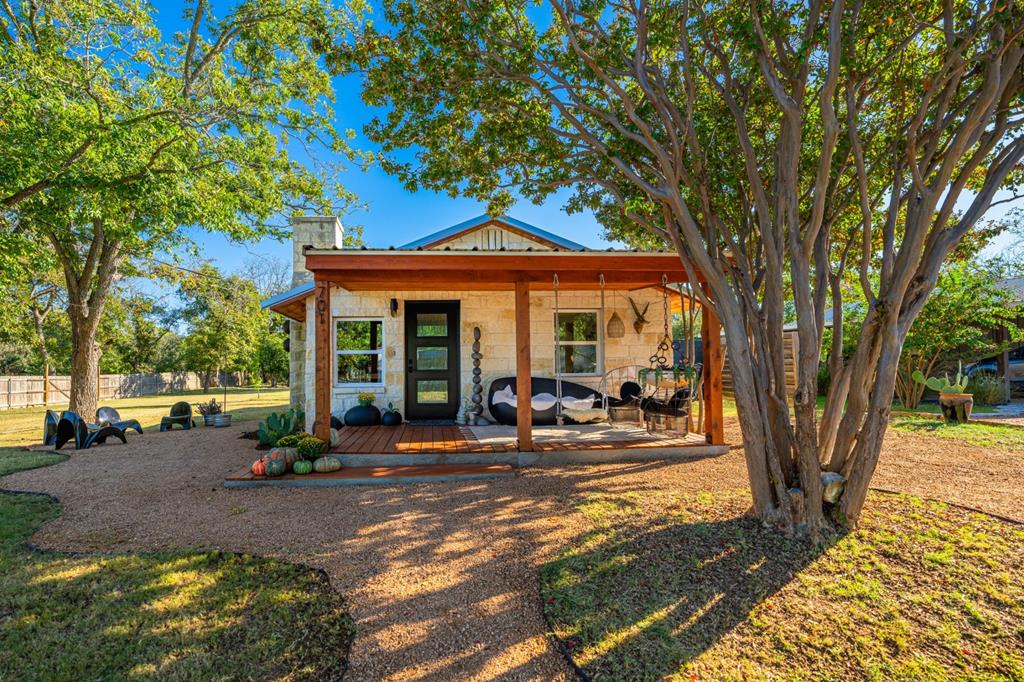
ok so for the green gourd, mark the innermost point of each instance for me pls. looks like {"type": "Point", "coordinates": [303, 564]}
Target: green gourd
{"type": "Point", "coordinates": [276, 467]}
{"type": "Point", "coordinates": [302, 467]}
{"type": "Point", "coordinates": [326, 464]}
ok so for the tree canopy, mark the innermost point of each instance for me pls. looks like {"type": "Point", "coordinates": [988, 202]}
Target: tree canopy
{"type": "Point", "coordinates": [775, 146]}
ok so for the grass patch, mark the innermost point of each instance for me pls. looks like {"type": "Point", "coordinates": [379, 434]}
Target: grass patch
{"type": "Point", "coordinates": [164, 615]}
{"type": "Point", "coordinates": [16, 459]}
{"type": "Point", "coordinates": [986, 435]}
{"type": "Point", "coordinates": [684, 588]}
{"type": "Point", "coordinates": [24, 426]}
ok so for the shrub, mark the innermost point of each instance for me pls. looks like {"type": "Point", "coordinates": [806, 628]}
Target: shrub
{"type": "Point", "coordinates": [824, 378]}
{"type": "Point", "coordinates": [211, 408]}
{"type": "Point", "coordinates": [311, 447]}
{"type": "Point", "coordinates": [988, 389]}
{"type": "Point", "coordinates": [289, 441]}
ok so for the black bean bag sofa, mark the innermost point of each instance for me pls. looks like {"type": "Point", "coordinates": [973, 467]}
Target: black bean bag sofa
{"type": "Point", "coordinates": [504, 413]}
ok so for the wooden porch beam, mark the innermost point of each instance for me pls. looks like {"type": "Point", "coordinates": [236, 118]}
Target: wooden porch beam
{"type": "Point", "coordinates": [524, 381]}
{"type": "Point", "coordinates": [322, 368]}
{"type": "Point", "coordinates": [711, 344]}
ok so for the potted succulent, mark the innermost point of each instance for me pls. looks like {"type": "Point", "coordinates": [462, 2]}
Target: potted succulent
{"type": "Point", "coordinates": [365, 413]}
{"type": "Point", "coordinates": [391, 416]}
{"type": "Point", "coordinates": [955, 403]}
{"type": "Point", "coordinates": [210, 411]}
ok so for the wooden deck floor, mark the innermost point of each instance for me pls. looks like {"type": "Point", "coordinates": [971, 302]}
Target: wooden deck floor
{"type": "Point", "coordinates": [410, 439]}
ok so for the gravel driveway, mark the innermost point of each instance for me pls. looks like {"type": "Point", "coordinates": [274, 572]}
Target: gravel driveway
{"type": "Point", "coordinates": [440, 578]}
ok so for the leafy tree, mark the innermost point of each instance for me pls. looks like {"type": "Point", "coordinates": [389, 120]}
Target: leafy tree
{"type": "Point", "coordinates": [225, 324]}
{"type": "Point", "coordinates": [131, 333]}
{"type": "Point", "coordinates": [774, 145]}
{"type": "Point", "coordinates": [115, 137]}
{"type": "Point", "coordinates": [956, 324]}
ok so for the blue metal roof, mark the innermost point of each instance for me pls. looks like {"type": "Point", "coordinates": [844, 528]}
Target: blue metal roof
{"type": "Point", "coordinates": [483, 220]}
{"type": "Point", "coordinates": [302, 291]}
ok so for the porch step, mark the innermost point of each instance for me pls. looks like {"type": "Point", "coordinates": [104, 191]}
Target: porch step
{"type": "Point", "coordinates": [374, 475]}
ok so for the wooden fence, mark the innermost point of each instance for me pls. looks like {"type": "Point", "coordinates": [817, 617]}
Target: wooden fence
{"type": "Point", "coordinates": [790, 344]}
{"type": "Point", "coordinates": [30, 391]}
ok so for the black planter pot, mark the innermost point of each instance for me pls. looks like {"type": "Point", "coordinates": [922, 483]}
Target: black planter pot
{"type": "Point", "coordinates": [362, 415]}
{"type": "Point", "coordinates": [391, 419]}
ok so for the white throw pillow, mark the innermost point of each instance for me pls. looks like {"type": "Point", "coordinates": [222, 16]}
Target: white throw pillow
{"type": "Point", "coordinates": [570, 403]}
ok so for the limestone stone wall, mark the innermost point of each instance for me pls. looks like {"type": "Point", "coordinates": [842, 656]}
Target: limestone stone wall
{"type": "Point", "coordinates": [494, 313]}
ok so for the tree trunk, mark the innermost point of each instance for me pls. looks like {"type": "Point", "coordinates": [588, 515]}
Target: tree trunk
{"type": "Point", "coordinates": [85, 371]}
{"type": "Point", "coordinates": [88, 281]}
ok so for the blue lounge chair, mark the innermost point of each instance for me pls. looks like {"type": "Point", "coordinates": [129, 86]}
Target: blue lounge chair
{"type": "Point", "coordinates": [181, 414]}
{"type": "Point", "coordinates": [50, 422]}
{"type": "Point", "coordinates": [73, 427]}
{"type": "Point", "coordinates": [108, 416]}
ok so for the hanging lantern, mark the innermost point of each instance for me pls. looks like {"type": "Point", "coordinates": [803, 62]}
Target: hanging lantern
{"type": "Point", "coordinates": [616, 327]}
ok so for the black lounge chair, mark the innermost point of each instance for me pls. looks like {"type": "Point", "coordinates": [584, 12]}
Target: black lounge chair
{"type": "Point", "coordinates": [504, 413]}
{"type": "Point", "coordinates": [181, 415]}
{"type": "Point", "coordinates": [108, 416]}
{"type": "Point", "coordinates": [50, 422]}
{"type": "Point", "coordinates": [73, 427]}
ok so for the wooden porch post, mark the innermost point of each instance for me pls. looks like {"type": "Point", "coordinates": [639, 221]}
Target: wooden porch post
{"type": "Point", "coordinates": [322, 368]}
{"type": "Point", "coordinates": [524, 381]}
{"type": "Point", "coordinates": [711, 344]}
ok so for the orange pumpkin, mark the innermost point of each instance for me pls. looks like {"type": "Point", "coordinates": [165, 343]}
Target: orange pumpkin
{"type": "Point", "coordinates": [259, 467]}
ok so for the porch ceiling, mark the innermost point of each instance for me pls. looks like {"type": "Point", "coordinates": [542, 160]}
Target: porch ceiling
{"type": "Point", "coordinates": [493, 270]}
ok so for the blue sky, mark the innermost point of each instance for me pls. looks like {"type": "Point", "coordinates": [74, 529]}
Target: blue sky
{"type": "Point", "coordinates": [393, 216]}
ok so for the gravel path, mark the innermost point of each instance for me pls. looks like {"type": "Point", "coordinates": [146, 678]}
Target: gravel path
{"type": "Point", "coordinates": [441, 578]}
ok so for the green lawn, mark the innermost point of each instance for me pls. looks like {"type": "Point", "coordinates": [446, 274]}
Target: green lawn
{"type": "Point", "coordinates": [165, 615]}
{"type": "Point", "coordinates": [16, 459]}
{"type": "Point", "coordinates": [985, 435]}
{"type": "Point", "coordinates": [684, 588]}
{"type": "Point", "coordinates": [25, 426]}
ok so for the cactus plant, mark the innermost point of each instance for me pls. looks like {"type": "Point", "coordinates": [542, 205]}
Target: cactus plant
{"type": "Point", "coordinates": [943, 384]}
{"type": "Point", "coordinates": [276, 426]}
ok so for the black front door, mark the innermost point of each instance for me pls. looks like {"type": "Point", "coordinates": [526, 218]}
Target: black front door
{"type": "Point", "coordinates": [432, 359]}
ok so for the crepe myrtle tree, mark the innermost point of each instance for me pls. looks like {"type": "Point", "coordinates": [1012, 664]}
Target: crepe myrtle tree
{"type": "Point", "coordinates": [115, 137]}
{"type": "Point", "coordinates": [775, 145]}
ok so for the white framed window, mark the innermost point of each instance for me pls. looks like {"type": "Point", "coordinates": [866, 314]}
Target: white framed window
{"type": "Point", "coordinates": [580, 341]}
{"type": "Point", "coordinates": [359, 351]}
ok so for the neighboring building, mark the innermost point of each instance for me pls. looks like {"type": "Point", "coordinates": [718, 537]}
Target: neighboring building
{"type": "Point", "coordinates": [401, 319]}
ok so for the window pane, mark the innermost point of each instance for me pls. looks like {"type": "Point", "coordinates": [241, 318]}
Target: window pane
{"type": "Point", "coordinates": [578, 359]}
{"type": "Point", "coordinates": [431, 324]}
{"type": "Point", "coordinates": [361, 368]}
{"type": "Point", "coordinates": [432, 357]}
{"type": "Point", "coordinates": [577, 326]}
{"type": "Point", "coordinates": [432, 391]}
{"type": "Point", "coordinates": [359, 335]}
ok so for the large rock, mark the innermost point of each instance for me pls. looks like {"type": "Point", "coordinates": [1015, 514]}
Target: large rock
{"type": "Point", "coordinates": [832, 485]}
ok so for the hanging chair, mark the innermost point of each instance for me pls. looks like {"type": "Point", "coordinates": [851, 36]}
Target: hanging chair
{"type": "Point", "coordinates": [576, 413]}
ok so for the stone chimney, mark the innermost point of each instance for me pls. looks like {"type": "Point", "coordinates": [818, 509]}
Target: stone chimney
{"type": "Point", "coordinates": [318, 232]}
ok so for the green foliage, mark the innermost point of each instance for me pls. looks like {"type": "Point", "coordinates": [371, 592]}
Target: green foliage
{"type": "Point", "coordinates": [224, 321]}
{"type": "Point", "coordinates": [278, 425]}
{"type": "Point", "coordinates": [116, 137]}
{"type": "Point", "coordinates": [289, 441]}
{"type": "Point", "coordinates": [988, 389]}
{"type": "Point", "coordinates": [311, 447]}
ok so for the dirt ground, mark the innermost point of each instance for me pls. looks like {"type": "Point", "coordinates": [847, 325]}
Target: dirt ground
{"type": "Point", "coordinates": [440, 578]}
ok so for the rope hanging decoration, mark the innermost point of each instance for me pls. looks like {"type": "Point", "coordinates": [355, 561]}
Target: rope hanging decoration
{"type": "Point", "coordinates": [660, 359]}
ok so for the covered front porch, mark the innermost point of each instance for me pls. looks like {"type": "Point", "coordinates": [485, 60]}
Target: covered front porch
{"type": "Point", "coordinates": [520, 274]}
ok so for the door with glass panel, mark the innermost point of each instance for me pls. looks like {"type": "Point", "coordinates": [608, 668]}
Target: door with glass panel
{"type": "Point", "coordinates": [432, 359]}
